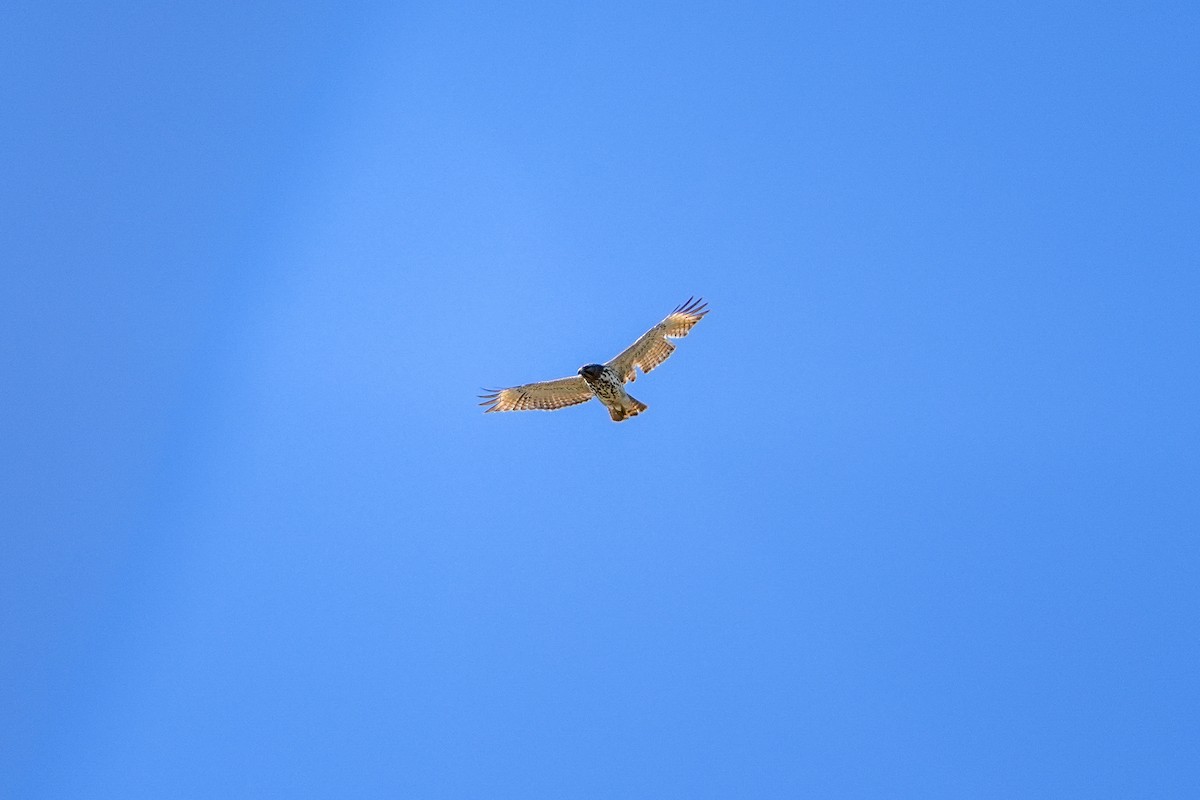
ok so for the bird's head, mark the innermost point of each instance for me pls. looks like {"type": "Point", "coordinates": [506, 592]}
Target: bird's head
{"type": "Point", "coordinates": [591, 370]}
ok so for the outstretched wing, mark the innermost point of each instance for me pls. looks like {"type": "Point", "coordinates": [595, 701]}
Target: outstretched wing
{"type": "Point", "coordinates": [652, 348]}
{"type": "Point", "coordinates": [544, 396]}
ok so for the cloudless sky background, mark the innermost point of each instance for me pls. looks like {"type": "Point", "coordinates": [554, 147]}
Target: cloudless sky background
{"type": "Point", "coordinates": [913, 512]}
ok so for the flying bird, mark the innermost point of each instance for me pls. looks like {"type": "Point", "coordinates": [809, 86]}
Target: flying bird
{"type": "Point", "coordinates": [605, 382]}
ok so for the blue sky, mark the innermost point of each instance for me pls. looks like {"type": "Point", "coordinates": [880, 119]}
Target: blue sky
{"type": "Point", "coordinates": [912, 513]}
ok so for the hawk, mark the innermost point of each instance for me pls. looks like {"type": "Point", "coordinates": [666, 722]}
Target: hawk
{"type": "Point", "coordinates": [604, 381]}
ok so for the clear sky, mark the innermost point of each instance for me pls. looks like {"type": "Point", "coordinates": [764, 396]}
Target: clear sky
{"type": "Point", "coordinates": [913, 512]}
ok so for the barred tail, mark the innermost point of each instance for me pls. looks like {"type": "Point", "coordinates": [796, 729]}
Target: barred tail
{"type": "Point", "coordinates": [631, 408]}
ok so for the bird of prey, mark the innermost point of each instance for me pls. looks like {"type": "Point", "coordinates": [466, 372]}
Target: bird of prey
{"type": "Point", "coordinates": [604, 381]}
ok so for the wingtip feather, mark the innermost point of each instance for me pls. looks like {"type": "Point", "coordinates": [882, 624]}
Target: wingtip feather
{"type": "Point", "coordinates": [693, 307]}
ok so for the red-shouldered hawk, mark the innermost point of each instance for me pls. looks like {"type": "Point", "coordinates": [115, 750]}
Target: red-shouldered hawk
{"type": "Point", "coordinates": [604, 381]}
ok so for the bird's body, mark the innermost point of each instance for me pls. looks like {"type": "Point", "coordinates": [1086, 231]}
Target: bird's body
{"type": "Point", "coordinates": [606, 382]}
{"type": "Point", "coordinates": [609, 389]}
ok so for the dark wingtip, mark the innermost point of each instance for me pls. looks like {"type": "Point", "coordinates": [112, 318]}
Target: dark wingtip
{"type": "Point", "coordinates": [491, 399]}
{"type": "Point", "coordinates": [695, 306]}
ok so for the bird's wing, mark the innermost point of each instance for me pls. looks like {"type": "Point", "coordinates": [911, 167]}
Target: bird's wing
{"type": "Point", "coordinates": [544, 396]}
{"type": "Point", "coordinates": [652, 348]}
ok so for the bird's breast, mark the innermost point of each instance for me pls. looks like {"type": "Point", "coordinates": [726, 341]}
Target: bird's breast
{"type": "Point", "coordinates": [606, 385]}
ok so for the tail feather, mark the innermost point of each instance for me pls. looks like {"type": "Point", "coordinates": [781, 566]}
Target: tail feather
{"type": "Point", "coordinates": [631, 408]}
